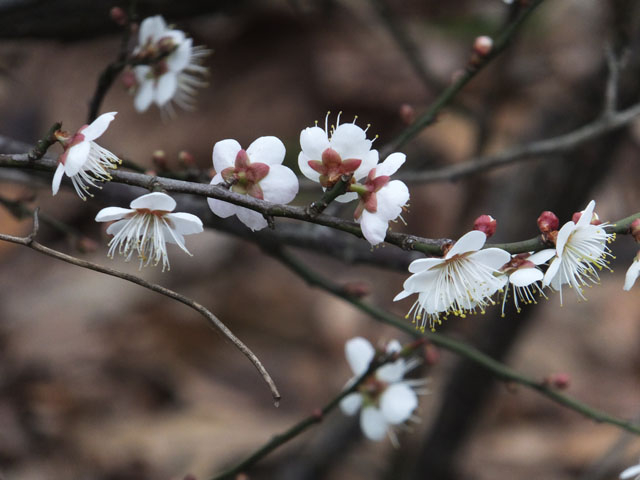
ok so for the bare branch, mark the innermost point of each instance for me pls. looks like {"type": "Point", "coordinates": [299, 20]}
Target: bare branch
{"type": "Point", "coordinates": [29, 241]}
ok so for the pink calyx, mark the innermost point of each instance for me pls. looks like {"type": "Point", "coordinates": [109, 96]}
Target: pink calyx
{"type": "Point", "coordinates": [332, 167]}
{"type": "Point", "coordinates": [244, 177]}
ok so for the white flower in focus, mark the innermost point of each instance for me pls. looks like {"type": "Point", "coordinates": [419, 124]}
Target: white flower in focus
{"type": "Point", "coordinates": [581, 248]}
{"type": "Point", "coordinates": [383, 200]}
{"type": "Point", "coordinates": [257, 172]}
{"type": "Point", "coordinates": [330, 153]}
{"type": "Point", "coordinates": [146, 227]}
{"type": "Point", "coordinates": [172, 69]}
{"type": "Point", "coordinates": [632, 273]}
{"type": "Point", "coordinates": [462, 282]}
{"type": "Point", "coordinates": [83, 160]}
{"type": "Point", "coordinates": [631, 472]}
{"type": "Point", "coordinates": [384, 398]}
{"type": "Point", "coordinates": [523, 275]}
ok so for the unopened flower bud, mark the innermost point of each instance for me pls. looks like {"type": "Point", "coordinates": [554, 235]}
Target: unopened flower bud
{"type": "Point", "coordinates": [561, 381]}
{"type": "Point", "coordinates": [548, 222]}
{"type": "Point", "coordinates": [118, 15]}
{"type": "Point", "coordinates": [486, 224]}
{"type": "Point", "coordinates": [483, 45]}
{"type": "Point", "coordinates": [186, 159]}
{"type": "Point", "coordinates": [159, 160]}
{"type": "Point", "coordinates": [431, 354]}
{"type": "Point", "coordinates": [129, 79]}
{"type": "Point", "coordinates": [407, 114]}
{"type": "Point", "coordinates": [634, 229]}
{"type": "Point", "coordinates": [357, 289]}
{"type": "Point", "coordinates": [595, 220]}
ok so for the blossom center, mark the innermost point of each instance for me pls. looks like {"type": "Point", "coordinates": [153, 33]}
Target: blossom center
{"type": "Point", "coordinates": [332, 167]}
{"type": "Point", "coordinates": [367, 193]}
{"type": "Point", "coordinates": [68, 141]}
{"type": "Point", "coordinates": [244, 177]}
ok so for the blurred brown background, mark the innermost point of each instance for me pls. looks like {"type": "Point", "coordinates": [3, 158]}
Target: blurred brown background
{"type": "Point", "coordinates": [103, 380]}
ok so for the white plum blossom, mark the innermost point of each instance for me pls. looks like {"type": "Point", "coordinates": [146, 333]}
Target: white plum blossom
{"type": "Point", "coordinates": [383, 398]}
{"type": "Point", "coordinates": [330, 153]}
{"type": "Point", "coordinates": [462, 282]}
{"type": "Point", "coordinates": [257, 172]}
{"type": "Point", "coordinates": [522, 274]}
{"type": "Point", "coordinates": [171, 69]}
{"type": "Point", "coordinates": [146, 227]}
{"type": "Point", "coordinates": [632, 273]}
{"type": "Point", "coordinates": [631, 472]}
{"type": "Point", "coordinates": [581, 248]}
{"type": "Point", "coordinates": [381, 200]}
{"type": "Point", "coordinates": [83, 160]}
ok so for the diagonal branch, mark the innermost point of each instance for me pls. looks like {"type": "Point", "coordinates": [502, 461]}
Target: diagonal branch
{"type": "Point", "coordinates": [29, 241]}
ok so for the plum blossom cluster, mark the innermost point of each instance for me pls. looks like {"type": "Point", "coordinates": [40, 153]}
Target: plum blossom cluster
{"type": "Point", "coordinates": [167, 67]}
{"type": "Point", "coordinates": [384, 398]}
{"type": "Point", "coordinates": [326, 156]}
{"type": "Point", "coordinates": [468, 277]}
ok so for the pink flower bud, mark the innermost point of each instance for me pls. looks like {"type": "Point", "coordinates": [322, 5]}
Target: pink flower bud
{"type": "Point", "coordinates": [186, 159]}
{"type": "Point", "coordinates": [548, 222]}
{"type": "Point", "coordinates": [431, 354]}
{"type": "Point", "coordinates": [634, 229]}
{"type": "Point", "coordinates": [407, 114]}
{"type": "Point", "coordinates": [561, 381]}
{"type": "Point", "coordinates": [118, 15]}
{"type": "Point", "coordinates": [159, 160]}
{"type": "Point", "coordinates": [486, 224]}
{"type": "Point", "coordinates": [129, 79]}
{"type": "Point", "coordinates": [483, 45]}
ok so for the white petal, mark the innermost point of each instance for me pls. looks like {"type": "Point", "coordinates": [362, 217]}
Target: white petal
{"type": "Point", "coordinates": [398, 402]}
{"type": "Point", "coordinates": [551, 272]}
{"type": "Point", "coordinates": [98, 126]}
{"type": "Point", "coordinates": [307, 171]}
{"type": "Point", "coordinates": [347, 197]}
{"type": "Point", "coordinates": [369, 161]}
{"type": "Point", "coordinates": [491, 257]}
{"type": "Point", "coordinates": [422, 264]}
{"type": "Point", "coordinates": [313, 141]}
{"type": "Point", "coordinates": [350, 141]}
{"type": "Point", "coordinates": [166, 88]}
{"type": "Point", "coordinates": [392, 372]}
{"type": "Point", "coordinates": [224, 154]}
{"type": "Point", "coordinates": [112, 213]}
{"type": "Point", "coordinates": [351, 404]}
{"type": "Point", "coordinates": [630, 472]}
{"type": "Point", "coordinates": [151, 28]}
{"type": "Point", "coordinates": [359, 353]}
{"type": "Point", "coordinates": [180, 57]}
{"type": "Point", "coordinates": [525, 276]}
{"type": "Point", "coordinates": [391, 198]}
{"type": "Point", "coordinates": [251, 218]}
{"type": "Point", "coordinates": [269, 150]}
{"type": "Point", "coordinates": [632, 275]}
{"type": "Point", "coordinates": [393, 346]}
{"type": "Point", "coordinates": [563, 235]}
{"type": "Point", "coordinates": [373, 227]}
{"type": "Point", "coordinates": [542, 256]}
{"type": "Point", "coordinates": [469, 242]}
{"type": "Point", "coordinates": [57, 178]}
{"type": "Point", "coordinates": [373, 423]}
{"type": "Point", "coordinates": [420, 282]}
{"type": "Point", "coordinates": [587, 214]}
{"type": "Point", "coordinates": [76, 158]}
{"type": "Point", "coordinates": [403, 294]}
{"type": "Point", "coordinates": [391, 165]}
{"type": "Point", "coordinates": [280, 185]}
{"type": "Point", "coordinates": [154, 201]}
{"type": "Point", "coordinates": [185, 223]}
{"type": "Point", "coordinates": [222, 209]}
{"type": "Point", "coordinates": [144, 95]}
{"type": "Point", "coordinates": [115, 227]}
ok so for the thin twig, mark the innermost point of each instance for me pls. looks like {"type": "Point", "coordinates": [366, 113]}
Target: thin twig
{"type": "Point", "coordinates": [329, 196]}
{"type": "Point", "coordinates": [500, 370]}
{"type": "Point", "coordinates": [430, 116]}
{"type": "Point", "coordinates": [549, 146]}
{"type": "Point", "coordinates": [29, 241]}
{"type": "Point", "coordinates": [611, 91]}
{"type": "Point", "coordinates": [44, 143]}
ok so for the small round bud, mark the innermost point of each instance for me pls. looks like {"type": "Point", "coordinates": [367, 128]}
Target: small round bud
{"type": "Point", "coordinates": [317, 413]}
{"type": "Point", "coordinates": [561, 381]}
{"type": "Point", "coordinates": [431, 354]}
{"type": "Point", "coordinates": [548, 222]}
{"type": "Point", "coordinates": [118, 15]}
{"type": "Point", "coordinates": [407, 114]}
{"type": "Point", "coordinates": [357, 289]}
{"type": "Point", "coordinates": [186, 159]}
{"type": "Point", "coordinates": [486, 224]}
{"type": "Point", "coordinates": [129, 79]}
{"type": "Point", "coordinates": [483, 45]}
{"type": "Point", "coordinates": [634, 229]}
{"type": "Point", "coordinates": [159, 160]}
